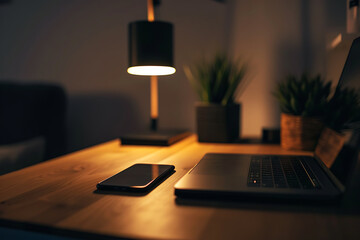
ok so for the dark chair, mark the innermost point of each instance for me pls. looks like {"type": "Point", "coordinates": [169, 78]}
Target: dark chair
{"type": "Point", "coordinates": [28, 111]}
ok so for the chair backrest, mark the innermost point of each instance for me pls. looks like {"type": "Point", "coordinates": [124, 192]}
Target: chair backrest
{"type": "Point", "coordinates": [31, 110]}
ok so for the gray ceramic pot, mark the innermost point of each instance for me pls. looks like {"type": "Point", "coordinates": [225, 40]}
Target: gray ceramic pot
{"type": "Point", "coordinates": [217, 123]}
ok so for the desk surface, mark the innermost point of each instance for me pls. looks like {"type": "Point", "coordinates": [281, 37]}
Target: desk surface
{"type": "Point", "coordinates": [58, 197]}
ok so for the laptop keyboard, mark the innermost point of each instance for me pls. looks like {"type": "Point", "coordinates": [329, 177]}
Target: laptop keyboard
{"type": "Point", "coordinates": [281, 172]}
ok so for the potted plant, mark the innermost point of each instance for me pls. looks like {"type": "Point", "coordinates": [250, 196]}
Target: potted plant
{"type": "Point", "coordinates": [217, 82]}
{"type": "Point", "coordinates": [342, 110]}
{"type": "Point", "coordinates": [302, 102]}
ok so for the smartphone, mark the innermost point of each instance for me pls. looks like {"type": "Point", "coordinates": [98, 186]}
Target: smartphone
{"type": "Point", "coordinates": [137, 178]}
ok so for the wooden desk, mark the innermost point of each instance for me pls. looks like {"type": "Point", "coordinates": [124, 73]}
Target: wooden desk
{"type": "Point", "coordinates": [58, 197]}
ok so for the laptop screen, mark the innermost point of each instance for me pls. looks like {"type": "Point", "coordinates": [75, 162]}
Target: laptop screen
{"type": "Point", "coordinates": [350, 78]}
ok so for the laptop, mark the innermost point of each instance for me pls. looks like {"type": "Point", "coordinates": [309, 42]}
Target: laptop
{"type": "Point", "coordinates": [229, 176]}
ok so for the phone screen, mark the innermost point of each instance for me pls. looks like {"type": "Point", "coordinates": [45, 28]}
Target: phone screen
{"type": "Point", "coordinates": [138, 176]}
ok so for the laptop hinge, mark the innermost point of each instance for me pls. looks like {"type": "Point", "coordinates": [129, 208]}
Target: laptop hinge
{"type": "Point", "coordinates": [332, 177]}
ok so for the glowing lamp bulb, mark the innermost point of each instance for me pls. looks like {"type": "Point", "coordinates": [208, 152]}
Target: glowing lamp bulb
{"type": "Point", "coordinates": [151, 70]}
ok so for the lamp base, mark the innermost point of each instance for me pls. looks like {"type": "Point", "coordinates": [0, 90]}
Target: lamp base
{"type": "Point", "coordinates": [155, 138]}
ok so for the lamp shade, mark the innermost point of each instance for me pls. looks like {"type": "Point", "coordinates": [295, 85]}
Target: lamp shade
{"type": "Point", "coordinates": [151, 48]}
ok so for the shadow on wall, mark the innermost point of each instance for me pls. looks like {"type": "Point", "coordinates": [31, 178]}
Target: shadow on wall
{"type": "Point", "coordinates": [97, 118]}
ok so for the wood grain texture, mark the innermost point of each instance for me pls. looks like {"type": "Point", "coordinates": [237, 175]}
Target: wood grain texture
{"type": "Point", "coordinates": [58, 196]}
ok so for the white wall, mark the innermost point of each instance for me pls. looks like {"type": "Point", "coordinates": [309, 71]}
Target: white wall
{"type": "Point", "coordinates": [82, 44]}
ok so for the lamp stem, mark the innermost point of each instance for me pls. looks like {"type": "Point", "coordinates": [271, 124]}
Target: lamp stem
{"type": "Point", "coordinates": [151, 15]}
{"type": "Point", "coordinates": [154, 101]}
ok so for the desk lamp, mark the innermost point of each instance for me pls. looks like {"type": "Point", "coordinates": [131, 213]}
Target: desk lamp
{"type": "Point", "coordinates": [151, 54]}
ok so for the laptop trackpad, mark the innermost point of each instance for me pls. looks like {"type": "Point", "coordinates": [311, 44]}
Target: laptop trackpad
{"type": "Point", "coordinates": [223, 164]}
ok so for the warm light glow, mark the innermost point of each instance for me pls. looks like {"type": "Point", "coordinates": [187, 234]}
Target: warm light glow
{"type": "Point", "coordinates": [155, 171]}
{"type": "Point", "coordinates": [355, 13]}
{"type": "Point", "coordinates": [151, 70]}
{"type": "Point", "coordinates": [336, 41]}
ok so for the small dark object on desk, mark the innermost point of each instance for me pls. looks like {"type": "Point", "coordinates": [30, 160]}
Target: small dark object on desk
{"type": "Point", "coordinates": [248, 141]}
{"type": "Point", "coordinates": [271, 135]}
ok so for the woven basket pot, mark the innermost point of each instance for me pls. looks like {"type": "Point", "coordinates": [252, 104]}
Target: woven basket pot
{"type": "Point", "coordinates": [299, 133]}
{"type": "Point", "coordinates": [329, 145]}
